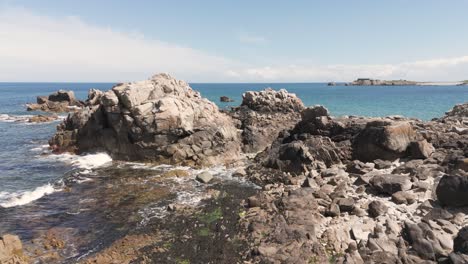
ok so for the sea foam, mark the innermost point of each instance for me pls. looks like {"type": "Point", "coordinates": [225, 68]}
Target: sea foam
{"type": "Point", "coordinates": [22, 198]}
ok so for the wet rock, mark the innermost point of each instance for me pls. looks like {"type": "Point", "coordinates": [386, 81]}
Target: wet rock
{"type": "Point", "coordinates": [377, 208]}
{"type": "Point", "coordinates": [383, 140]}
{"type": "Point", "coordinates": [42, 118]}
{"type": "Point", "coordinates": [390, 183]}
{"type": "Point", "coordinates": [225, 99]}
{"type": "Point", "coordinates": [453, 190]}
{"type": "Point", "coordinates": [204, 177]}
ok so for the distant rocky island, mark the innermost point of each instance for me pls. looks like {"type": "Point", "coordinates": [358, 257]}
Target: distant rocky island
{"type": "Point", "coordinates": [377, 82]}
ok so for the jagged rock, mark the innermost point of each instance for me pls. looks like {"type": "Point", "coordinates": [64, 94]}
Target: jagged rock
{"type": "Point", "coordinates": [160, 120]}
{"type": "Point", "coordinates": [390, 183]}
{"type": "Point", "coordinates": [11, 250]}
{"type": "Point", "coordinates": [460, 110]}
{"type": "Point", "coordinates": [453, 190]}
{"type": "Point", "coordinates": [60, 101]}
{"type": "Point", "coordinates": [270, 100]}
{"type": "Point", "coordinates": [383, 140]}
{"type": "Point", "coordinates": [263, 115]}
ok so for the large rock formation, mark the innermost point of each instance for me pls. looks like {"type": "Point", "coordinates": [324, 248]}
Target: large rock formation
{"type": "Point", "coordinates": [383, 140]}
{"type": "Point", "coordinates": [264, 114]}
{"type": "Point", "coordinates": [160, 120]}
{"type": "Point", "coordinates": [60, 101]}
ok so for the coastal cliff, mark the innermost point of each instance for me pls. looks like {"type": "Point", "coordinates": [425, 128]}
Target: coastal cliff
{"type": "Point", "coordinates": [333, 189]}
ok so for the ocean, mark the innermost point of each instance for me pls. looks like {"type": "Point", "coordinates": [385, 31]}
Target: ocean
{"type": "Point", "coordinates": [40, 191]}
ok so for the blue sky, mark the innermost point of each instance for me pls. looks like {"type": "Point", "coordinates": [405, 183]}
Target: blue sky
{"type": "Point", "coordinates": [235, 40]}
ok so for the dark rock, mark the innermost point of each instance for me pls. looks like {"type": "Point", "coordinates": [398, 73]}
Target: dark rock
{"type": "Point", "coordinates": [453, 190]}
{"type": "Point", "coordinates": [346, 204]}
{"type": "Point", "coordinates": [382, 164]}
{"type": "Point", "coordinates": [421, 149]}
{"type": "Point", "coordinates": [377, 208]}
{"type": "Point", "coordinates": [460, 243]}
{"type": "Point", "coordinates": [383, 140]}
{"type": "Point", "coordinates": [390, 183]}
{"type": "Point", "coordinates": [225, 99]}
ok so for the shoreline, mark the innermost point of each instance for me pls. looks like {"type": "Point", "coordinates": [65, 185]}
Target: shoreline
{"type": "Point", "coordinates": [332, 188]}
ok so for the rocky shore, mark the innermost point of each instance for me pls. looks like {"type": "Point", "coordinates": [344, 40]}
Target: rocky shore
{"type": "Point", "coordinates": [333, 189]}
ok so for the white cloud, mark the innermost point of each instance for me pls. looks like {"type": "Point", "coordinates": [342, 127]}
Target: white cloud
{"type": "Point", "coordinates": [444, 69]}
{"type": "Point", "coordinates": [39, 48]}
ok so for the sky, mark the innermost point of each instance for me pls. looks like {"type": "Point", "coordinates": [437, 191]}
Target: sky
{"type": "Point", "coordinates": [233, 41]}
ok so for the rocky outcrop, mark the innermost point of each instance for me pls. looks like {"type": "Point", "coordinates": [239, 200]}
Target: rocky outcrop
{"type": "Point", "coordinates": [263, 115]}
{"type": "Point", "coordinates": [161, 120]}
{"type": "Point", "coordinates": [58, 102]}
{"type": "Point", "coordinates": [270, 100]}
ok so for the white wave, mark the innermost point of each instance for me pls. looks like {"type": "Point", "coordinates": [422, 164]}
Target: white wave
{"type": "Point", "coordinates": [22, 198]}
{"type": "Point", "coordinates": [85, 162]}
{"type": "Point", "coordinates": [14, 118]}
{"type": "Point", "coordinates": [41, 148]}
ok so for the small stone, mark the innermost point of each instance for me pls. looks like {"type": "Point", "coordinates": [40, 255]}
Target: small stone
{"type": "Point", "coordinates": [382, 164]}
{"type": "Point", "coordinates": [346, 204]}
{"type": "Point", "coordinates": [377, 208]}
{"type": "Point", "coordinates": [204, 177]}
{"type": "Point", "coordinates": [403, 198]}
{"type": "Point", "coordinates": [253, 202]}
{"type": "Point", "coordinates": [333, 211]}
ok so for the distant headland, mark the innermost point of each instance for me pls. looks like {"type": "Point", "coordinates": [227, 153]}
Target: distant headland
{"type": "Point", "coordinates": [377, 82]}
